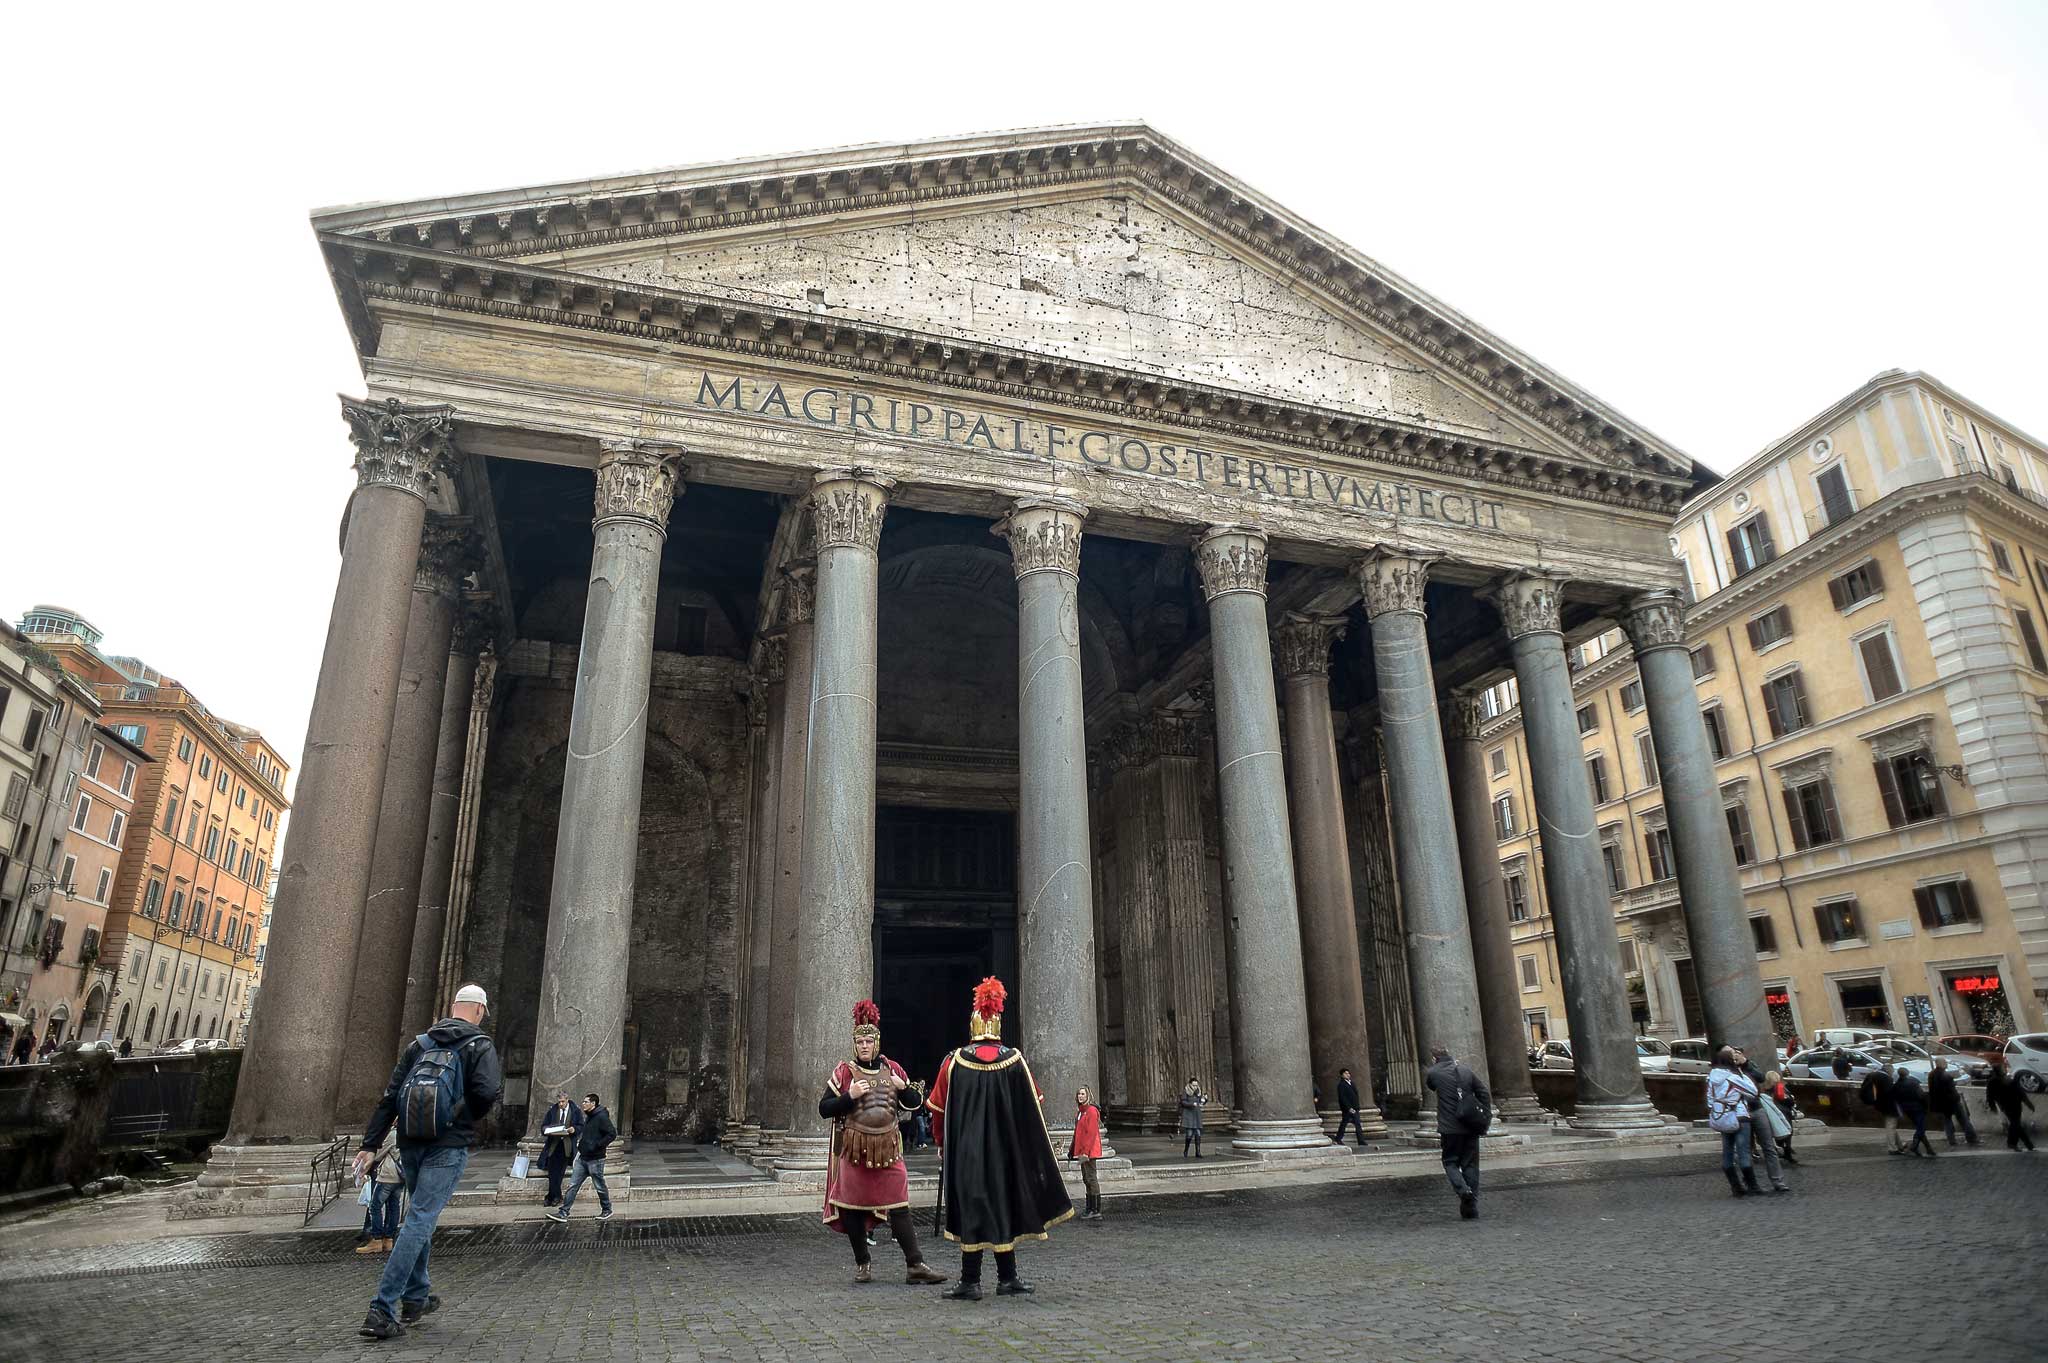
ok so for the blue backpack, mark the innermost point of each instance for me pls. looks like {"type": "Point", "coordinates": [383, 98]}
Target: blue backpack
{"type": "Point", "coordinates": [432, 1091]}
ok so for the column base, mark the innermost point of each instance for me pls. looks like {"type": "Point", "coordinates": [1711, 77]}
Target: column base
{"type": "Point", "coordinates": [251, 1180]}
{"type": "Point", "coordinates": [1611, 1119]}
{"type": "Point", "coordinates": [803, 1158]}
{"type": "Point", "coordinates": [1292, 1138]}
{"type": "Point", "coordinates": [745, 1140]}
{"type": "Point", "coordinates": [766, 1148]}
{"type": "Point", "coordinates": [1523, 1107]}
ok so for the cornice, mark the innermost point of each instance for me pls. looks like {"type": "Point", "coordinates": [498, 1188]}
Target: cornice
{"type": "Point", "coordinates": [775, 194]}
{"type": "Point", "coordinates": [367, 274]}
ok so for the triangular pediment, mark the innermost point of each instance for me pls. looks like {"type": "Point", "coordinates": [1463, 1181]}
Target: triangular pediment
{"type": "Point", "coordinates": [1108, 248]}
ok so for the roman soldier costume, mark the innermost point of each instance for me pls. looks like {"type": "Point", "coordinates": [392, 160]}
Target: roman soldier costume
{"type": "Point", "coordinates": [1001, 1180]}
{"type": "Point", "coordinates": [866, 1180]}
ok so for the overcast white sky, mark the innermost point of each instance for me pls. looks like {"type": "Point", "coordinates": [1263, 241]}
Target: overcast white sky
{"type": "Point", "coordinates": [1719, 218]}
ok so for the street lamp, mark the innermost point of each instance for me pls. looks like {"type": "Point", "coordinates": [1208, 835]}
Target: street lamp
{"type": "Point", "coordinates": [1931, 772]}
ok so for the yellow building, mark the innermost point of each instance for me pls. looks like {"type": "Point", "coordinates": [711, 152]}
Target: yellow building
{"type": "Point", "coordinates": [1868, 616]}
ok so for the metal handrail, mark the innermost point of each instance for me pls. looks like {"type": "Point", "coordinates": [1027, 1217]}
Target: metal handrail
{"type": "Point", "coordinates": [323, 1184]}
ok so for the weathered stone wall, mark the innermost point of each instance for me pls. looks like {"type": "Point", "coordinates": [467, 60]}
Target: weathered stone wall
{"type": "Point", "coordinates": [683, 968]}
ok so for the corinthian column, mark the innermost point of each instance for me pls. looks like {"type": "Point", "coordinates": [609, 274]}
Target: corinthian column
{"type": "Point", "coordinates": [1419, 800]}
{"type": "Point", "coordinates": [1322, 867]}
{"type": "Point", "coordinates": [1493, 948]}
{"type": "Point", "coordinates": [580, 1029]}
{"type": "Point", "coordinates": [836, 906]}
{"type": "Point", "coordinates": [1251, 788]}
{"type": "Point", "coordinates": [390, 909]}
{"type": "Point", "coordinates": [1709, 891]}
{"type": "Point", "coordinates": [1056, 907]}
{"type": "Point", "coordinates": [423, 971]}
{"type": "Point", "coordinates": [1611, 1096]}
{"type": "Point", "coordinates": [284, 1101]}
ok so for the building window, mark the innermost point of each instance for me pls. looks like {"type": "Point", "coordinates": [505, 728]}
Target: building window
{"type": "Point", "coordinates": [116, 828]}
{"type": "Point", "coordinates": [127, 778]}
{"type": "Point", "coordinates": [1749, 545]}
{"type": "Point", "coordinates": [1503, 817]}
{"type": "Point", "coordinates": [134, 733]}
{"type": "Point", "coordinates": [185, 747]}
{"type": "Point", "coordinates": [205, 766]}
{"type": "Point", "coordinates": [227, 858]}
{"type": "Point", "coordinates": [269, 819]}
{"type": "Point", "coordinates": [32, 730]}
{"type": "Point", "coordinates": [162, 968]}
{"type": "Point", "coordinates": [1657, 846]}
{"type": "Point", "coordinates": [262, 870]}
{"type": "Point", "coordinates": [1810, 807]}
{"type": "Point", "coordinates": [81, 812]}
{"type": "Point", "coordinates": [1838, 921]}
{"type": "Point", "coordinates": [1632, 695]}
{"type": "Point", "coordinates": [1617, 874]}
{"type": "Point", "coordinates": [1518, 899]}
{"type": "Point", "coordinates": [1717, 731]}
{"type": "Point", "coordinates": [1910, 787]}
{"type": "Point", "coordinates": [1785, 704]}
{"type": "Point", "coordinates": [69, 874]}
{"type": "Point", "coordinates": [106, 884]}
{"type": "Point", "coordinates": [1646, 753]}
{"type": "Point", "coordinates": [1880, 665]}
{"type": "Point", "coordinates": [1703, 662]}
{"type": "Point", "coordinates": [2002, 556]}
{"type": "Point", "coordinates": [1856, 586]}
{"type": "Point", "coordinates": [1631, 964]}
{"type": "Point", "coordinates": [1770, 627]}
{"type": "Point", "coordinates": [1833, 486]}
{"type": "Point", "coordinates": [93, 757]}
{"type": "Point", "coordinates": [212, 842]}
{"type": "Point", "coordinates": [2025, 620]}
{"type": "Point", "coordinates": [222, 784]}
{"type": "Point", "coordinates": [1739, 834]}
{"type": "Point", "coordinates": [1596, 777]}
{"type": "Point", "coordinates": [241, 797]}
{"type": "Point", "coordinates": [1947, 904]}
{"type": "Point", "coordinates": [134, 967]}
{"type": "Point", "coordinates": [177, 911]}
{"type": "Point", "coordinates": [1497, 762]}
{"type": "Point", "coordinates": [153, 898]}
{"type": "Point", "coordinates": [1527, 964]}
{"type": "Point", "coordinates": [1765, 936]}
{"type": "Point", "coordinates": [171, 817]}
{"type": "Point", "coordinates": [1589, 719]}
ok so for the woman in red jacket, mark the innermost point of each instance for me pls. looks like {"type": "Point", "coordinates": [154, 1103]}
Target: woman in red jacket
{"type": "Point", "coordinates": [1087, 1148]}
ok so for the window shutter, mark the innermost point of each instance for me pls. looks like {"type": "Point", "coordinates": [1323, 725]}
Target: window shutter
{"type": "Point", "coordinates": [1795, 816]}
{"type": "Point", "coordinates": [1967, 893]}
{"type": "Point", "coordinates": [1770, 690]}
{"type": "Point", "coordinates": [1874, 575]}
{"type": "Point", "coordinates": [1766, 551]}
{"type": "Point", "coordinates": [1825, 921]}
{"type": "Point", "coordinates": [1756, 633]}
{"type": "Point", "coordinates": [1796, 689]}
{"type": "Point", "coordinates": [1879, 666]}
{"type": "Point", "coordinates": [1888, 787]}
{"type": "Point", "coordinates": [1838, 591]}
{"type": "Point", "coordinates": [1826, 790]}
{"type": "Point", "coordinates": [1923, 900]}
{"type": "Point", "coordinates": [1736, 555]}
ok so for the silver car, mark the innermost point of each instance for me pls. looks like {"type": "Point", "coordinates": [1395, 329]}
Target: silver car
{"type": "Point", "coordinates": [2026, 1060]}
{"type": "Point", "coordinates": [1691, 1056]}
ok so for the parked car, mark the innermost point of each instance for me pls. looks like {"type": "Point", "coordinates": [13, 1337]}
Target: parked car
{"type": "Point", "coordinates": [1818, 1062]}
{"type": "Point", "coordinates": [1691, 1056]}
{"type": "Point", "coordinates": [1854, 1036]}
{"type": "Point", "coordinates": [1983, 1045]}
{"type": "Point", "coordinates": [1894, 1055]}
{"type": "Point", "coordinates": [1652, 1055]}
{"type": "Point", "coordinates": [1554, 1055]}
{"type": "Point", "coordinates": [193, 1045]}
{"type": "Point", "coordinates": [2026, 1060]}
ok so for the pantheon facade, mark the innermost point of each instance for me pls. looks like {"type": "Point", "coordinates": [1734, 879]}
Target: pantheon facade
{"type": "Point", "coordinates": [848, 574]}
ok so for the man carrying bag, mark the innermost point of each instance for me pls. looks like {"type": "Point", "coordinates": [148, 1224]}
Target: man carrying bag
{"type": "Point", "coordinates": [1464, 1110]}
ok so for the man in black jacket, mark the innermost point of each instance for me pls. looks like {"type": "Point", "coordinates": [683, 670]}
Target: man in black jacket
{"type": "Point", "coordinates": [1877, 1093]}
{"type": "Point", "coordinates": [1464, 1109]}
{"type": "Point", "coordinates": [1347, 1105]}
{"type": "Point", "coordinates": [591, 1142]}
{"type": "Point", "coordinates": [429, 1165]}
{"type": "Point", "coordinates": [1911, 1097]}
{"type": "Point", "coordinates": [1946, 1101]}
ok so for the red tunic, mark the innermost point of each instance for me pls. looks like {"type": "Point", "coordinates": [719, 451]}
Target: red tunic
{"type": "Point", "coordinates": [1088, 1133]}
{"type": "Point", "coordinates": [850, 1187]}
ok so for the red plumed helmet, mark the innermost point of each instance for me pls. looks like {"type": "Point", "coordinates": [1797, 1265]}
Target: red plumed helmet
{"type": "Point", "coordinates": [989, 998]}
{"type": "Point", "coordinates": [866, 1014]}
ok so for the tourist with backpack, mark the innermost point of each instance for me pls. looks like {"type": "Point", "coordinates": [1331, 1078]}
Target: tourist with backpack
{"type": "Point", "coordinates": [1464, 1110]}
{"type": "Point", "coordinates": [447, 1079]}
{"type": "Point", "coordinates": [592, 1140]}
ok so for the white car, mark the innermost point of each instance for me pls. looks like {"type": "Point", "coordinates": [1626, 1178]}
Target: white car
{"type": "Point", "coordinates": [1893, 1055]}
{"type": "Point", "coordinates": [1855, 1036]}
{"type": "Point", "coordinates": [1652, 1055]}
{"type": "Point", "coordinates": [2026, 1060]}
{"type": "Point", "coordinates": [193, 1045]}
{"type": "Point", "coordinates": [1554, 1055]}
{"type": "Point", "coordinates": [1691, 1056]}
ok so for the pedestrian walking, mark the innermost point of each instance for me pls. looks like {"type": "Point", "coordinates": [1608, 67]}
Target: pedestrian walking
{"type": "Point", "coordinates": [1876, 1094]}
{"type": "Point", "coordinates": [1464, 1109]}
{"type": "Point", "coordinates": [1087, 1148]}
{"type": "Point", "coordinates": [1841, 1066]}
{"type": "Point", "coordinates": [593, 1138]}
{"type": "Point", "coordinates": [1911, 1097]}
{"type": "Point", "coordinates": [1762, 1129]}
{"type": "Point", "coordinates": [387, 1187]}
{"type": "Point", "coordinates": [1347, 1104]}
{"type": "Point", "coordinates": [1946, 1101]}
{"type": "Point", "coordinates": [1191, 1101]}
{"type": "Point", "coordinates": [1002, 1184]}
{"type": "Point", "coordinates": [2007, 1098]}
{"type": "Point", "coordinates": [127, 1048]}
{"type": "Point", "coordinates": [1787, 1110]}
{"type": "Point", "coordinates": [1729, 1092]}
{"type": "Point", "coordinates": [558, 1131]}
{"type": "Point", "coordinates": [444, 1083]}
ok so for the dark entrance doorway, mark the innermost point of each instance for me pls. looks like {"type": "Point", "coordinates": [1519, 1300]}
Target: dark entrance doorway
{"type": "Point", "coordinates": [945, 916]}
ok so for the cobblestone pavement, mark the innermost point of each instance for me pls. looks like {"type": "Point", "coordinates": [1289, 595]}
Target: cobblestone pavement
{"type": "Point", "coordinates": [1645, 1261]}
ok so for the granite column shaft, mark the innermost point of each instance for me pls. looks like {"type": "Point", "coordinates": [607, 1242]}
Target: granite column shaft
{"type": "Point", "coordinates": [437, 866]}
{"type": "Point", "coordinates": [766, 822]}
{"type": "Point", "coordinates": [780, 1083]}
{"type": "Point", "coordinates": [1189, 931]}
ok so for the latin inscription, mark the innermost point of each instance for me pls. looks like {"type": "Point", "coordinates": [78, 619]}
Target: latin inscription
{"type": "Point", "coordinates": [1119, 452]}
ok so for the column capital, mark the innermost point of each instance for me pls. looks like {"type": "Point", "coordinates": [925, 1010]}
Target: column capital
{"type": "Point", "coordinates": [1044, 535]}
{"type": "Point", "coordinates": [1302, 642]}
{"type": "Point", "coordinates": [1654, 620]}
{"type": "Point", "coordinates": [1177, 733]}
{"type": "Point", "coordinates": [476, 625]}
{"type": "Point", "coordinates": [447, 546]}
{"type": "Point", "coordinates": [1463, 713]}
{"type": "Point", "coordinates": [1231, 558]}
{"type": "Point", "coordinates": [1129, 745]}
{"type": "Point", "coordinates": [847, 506]}
{"type": "Point", "coordinates": [799, 592]}
{"type": "Point", "coordinates": [399, 446]}
{"type": "Point", "coordinates": [1393, 584]}
{"type": "Point", "coordinates": [637, 480]}
{"type": "Point", "coordinates": [1528, 604]}
{"type": "Point", "coordinates": [774, 657]}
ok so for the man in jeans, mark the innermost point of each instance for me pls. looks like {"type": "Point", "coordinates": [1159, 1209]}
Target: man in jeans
{"type": "Point", "coordinates": [597, 1134]}
{"type": "Point", "coordinates": [429, 1168]}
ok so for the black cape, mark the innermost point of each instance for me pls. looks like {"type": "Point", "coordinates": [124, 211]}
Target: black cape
{"type": "Point", "coordinates": [1002, 1179]}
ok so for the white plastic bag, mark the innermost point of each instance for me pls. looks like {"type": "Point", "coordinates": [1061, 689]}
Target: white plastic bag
{"type": "Point", "coordinates": [363, 1197]}
{"type": "Point", "coordinates": [520, 1164]}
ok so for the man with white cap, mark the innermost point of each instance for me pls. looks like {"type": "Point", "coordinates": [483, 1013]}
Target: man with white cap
{"type": "Point", "coordinates": [448, 1078]}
